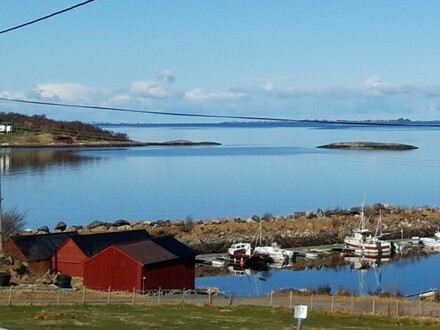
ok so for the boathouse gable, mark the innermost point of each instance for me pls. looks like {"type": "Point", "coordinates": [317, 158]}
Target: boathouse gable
{"type": "Point", "coordinates": [69, 257]}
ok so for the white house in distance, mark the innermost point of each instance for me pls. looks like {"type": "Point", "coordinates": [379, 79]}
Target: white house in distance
{"type": "Point", "coordinates": [5, 127]}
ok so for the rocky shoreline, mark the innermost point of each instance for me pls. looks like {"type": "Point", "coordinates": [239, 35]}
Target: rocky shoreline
{"type": "Point", "coordinates": [107, 144]}
{"type": "Point", "coordinates": [299, 229]}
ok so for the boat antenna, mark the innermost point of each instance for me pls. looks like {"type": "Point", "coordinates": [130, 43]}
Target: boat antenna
{"type": "Point", "coordinates": [379, 223]}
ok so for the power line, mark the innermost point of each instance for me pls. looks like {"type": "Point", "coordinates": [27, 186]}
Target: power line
{"type": "Point", "coordinates": [177, 114]}
{"type": "Point", "coordinates": [46, 17]}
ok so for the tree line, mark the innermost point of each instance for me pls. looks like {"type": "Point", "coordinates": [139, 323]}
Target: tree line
{"type": "Point", "coordinates": [79, 130]}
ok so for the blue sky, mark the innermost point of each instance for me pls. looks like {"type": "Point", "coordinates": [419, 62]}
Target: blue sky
{"type": "Point", "coordinates": [292, 59]}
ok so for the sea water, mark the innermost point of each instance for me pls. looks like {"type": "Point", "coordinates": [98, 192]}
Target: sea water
{"type": "Point", "coordinates": [256, 170]}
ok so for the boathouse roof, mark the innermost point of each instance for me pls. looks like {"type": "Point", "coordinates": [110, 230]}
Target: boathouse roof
{"type": "Point", "coordinates": [156, 250]}
{"type": "Point", "coordinates": [40, 246]}
{"type": "Point", "coordinates": [90, 244]}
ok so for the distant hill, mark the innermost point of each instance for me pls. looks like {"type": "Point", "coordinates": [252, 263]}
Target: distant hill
{"type": "Point", "coordinates": [38, 129]}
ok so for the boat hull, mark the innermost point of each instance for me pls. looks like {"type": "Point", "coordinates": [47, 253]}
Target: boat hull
{"type": "Point", "coordinates": [379, 248]}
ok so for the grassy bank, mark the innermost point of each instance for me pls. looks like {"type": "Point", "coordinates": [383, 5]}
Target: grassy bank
{"type": "Point", "coordinates": [193, 317]}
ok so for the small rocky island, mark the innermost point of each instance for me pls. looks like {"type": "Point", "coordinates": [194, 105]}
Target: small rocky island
{"type": "Point", "coordinates": [368, 146]}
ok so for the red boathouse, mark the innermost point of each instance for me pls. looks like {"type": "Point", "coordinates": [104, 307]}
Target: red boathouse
{"type": "Point", "coordinates": [36, 250]}
{"type": "Point", "coordinates": [70, 255]}
{"type": "Point", "coordinates": [161, 262]}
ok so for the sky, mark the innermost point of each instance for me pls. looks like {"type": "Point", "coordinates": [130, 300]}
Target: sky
{"type": "Point", "coordinates": [302, 59]}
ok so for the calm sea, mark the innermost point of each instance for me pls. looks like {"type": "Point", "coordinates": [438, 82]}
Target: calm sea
{"type": "Point", "coordinates": [400, 276]}
{"type": "Point", "coordinates": [258, 168]}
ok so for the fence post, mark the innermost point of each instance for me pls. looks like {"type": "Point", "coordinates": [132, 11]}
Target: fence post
{"type": "Point", "coordinates": [10, 296]}
{"type": "Point", "coordinates": [230, 299]}
{"type": "Point", "coordinates": [58, 296]}
{"type": "Point", "coordinates": [30, 296]}
{"type": "Point", "coordinates": [209, 297]}
{"type": "Point", "coordinates": [352, 303]}
{"type": "Point", "coordinates": [108, 295]}
{"type": "Point", "coordinates": [83, 302]}
{"type": "Point", "coordinates": [183, 295]}
{"type": "Point", "coordinates": [290, 299]}
{"type": "Point", "coordinates": [158, 296]}
{"type": "Point", "coordinates": [132, 297]}
{"type": "Point", "coordinates": [311, 301]}
{"type": "Point", "coordinates": [420, 307]}
{"type": "Point", "coordinates": [333, 303]}
{"type": "Point", "coordinates": [271, 298]}
{"type": "Point", "coordinates": [374, 305]}
{"type": "Point", "coordinates": [397, 307]}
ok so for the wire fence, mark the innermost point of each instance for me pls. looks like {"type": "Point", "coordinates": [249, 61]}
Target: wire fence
{"type": "Point", "coordinates": [34, 296]}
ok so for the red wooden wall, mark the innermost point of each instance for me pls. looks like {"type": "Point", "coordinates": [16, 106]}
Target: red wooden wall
{"type": "Point", "coordinates": [68, 259]}
{"type": "Point", "coordinates": [174, 274]}
{"type": "Point", "coordinates": [113, 268]}
{"type": "Point", "coordinates": [11, 249]}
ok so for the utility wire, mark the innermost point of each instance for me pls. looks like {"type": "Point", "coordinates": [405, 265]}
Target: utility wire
{"type": "Point", "coordinates": [46, 17]}
{"type": "Point", "coordinates": [204, 115]}
{"type": "Point", "coordinates": [185, 114]}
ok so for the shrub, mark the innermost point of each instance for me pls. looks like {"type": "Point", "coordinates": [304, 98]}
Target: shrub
{"type": "Point", "coordinates": [189, 223]}
{"type": "Point", "coordinates": [13, 222]}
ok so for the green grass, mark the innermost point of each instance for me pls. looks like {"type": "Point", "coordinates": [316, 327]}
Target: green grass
{"type": "Point", "coordinates": [192, 317]}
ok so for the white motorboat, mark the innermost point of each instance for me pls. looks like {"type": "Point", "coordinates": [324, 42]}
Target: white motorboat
{"type": "Point", "coordinates": [275, 252]}
{"type": "Point", "coordinates": [431, 243]}
{"type": "Point", "coordinates": [256, 250]}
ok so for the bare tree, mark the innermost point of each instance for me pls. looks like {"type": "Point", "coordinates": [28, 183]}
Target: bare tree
{"type": "Point", "coordinates": [13, 222]}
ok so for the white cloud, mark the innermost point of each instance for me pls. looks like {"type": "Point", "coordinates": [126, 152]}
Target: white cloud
{"type": "Point", "coordinates": [268, 87]}
{"type": "Point", "coordinates": [12, 95]}
{"type": "Point", "coordinates": [148, 88]}
{"type": "Point", "coordinates": [196, 95]}
{"type": "Point", "coordinates": [166, 76]}
{"type": "Point", "coordinates": [373, 82]}
{"type": "Point", "coordinates": [371, 99]}
{"type": "Point", "coordinates": [63, 92]}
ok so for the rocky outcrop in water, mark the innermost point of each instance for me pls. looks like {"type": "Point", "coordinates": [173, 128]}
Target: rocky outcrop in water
{"type": "Point", "coordinates": [368, 146]}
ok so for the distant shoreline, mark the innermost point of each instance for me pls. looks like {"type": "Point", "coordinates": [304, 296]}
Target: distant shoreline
{"type": "Point", "coordinates": [175, 143]}
{"type": "Point", "coordinates": [280, 123]}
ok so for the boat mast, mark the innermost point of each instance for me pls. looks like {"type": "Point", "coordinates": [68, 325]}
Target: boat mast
{"type": "Point", "coordinates": [379, 223]}
{"type": "Point", "coordinates": [362, 217]}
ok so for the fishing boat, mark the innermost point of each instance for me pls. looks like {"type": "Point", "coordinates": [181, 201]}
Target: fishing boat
{"type": "Point", "coordinates": [431, 243]}
{"type": "Point", "coordinates": [363, 242]}
{"type": "Point", "coordinates": [243, 254]}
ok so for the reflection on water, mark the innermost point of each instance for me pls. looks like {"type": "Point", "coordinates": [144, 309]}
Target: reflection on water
{"type": "Point", "coordinates": [364, 264]}
{"type": "Point", "coordinates": [38, 160]}
{"type": "Point", "coordinates": [357, 275]}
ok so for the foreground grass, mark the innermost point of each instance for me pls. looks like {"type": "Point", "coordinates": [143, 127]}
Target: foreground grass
{"type": "Point", "coordinates": [192, 317]}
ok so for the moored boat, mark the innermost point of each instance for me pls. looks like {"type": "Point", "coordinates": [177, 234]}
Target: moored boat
{"type": "Point", "coordinates": [363, 242]}
{"type": "Point", "coordinates": [431, 243]}
{"type": "Point", "coordinates": [275, 252]}
{"type": "Point", "coordinates": [256, 251]}
{"type": "Point", "coordinates": [243, 254]}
